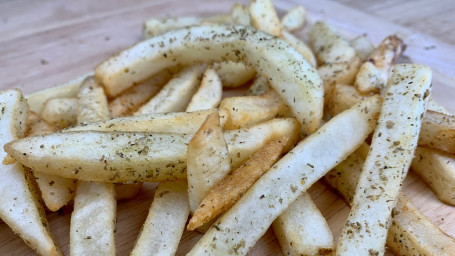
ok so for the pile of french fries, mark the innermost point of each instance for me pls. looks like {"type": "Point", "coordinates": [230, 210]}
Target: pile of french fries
{"type": "Point", "coordinates": [235, 118]}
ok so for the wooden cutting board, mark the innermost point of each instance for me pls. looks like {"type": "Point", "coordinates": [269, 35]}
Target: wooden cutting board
{"type": "Point", "coordinates": [43, 43]}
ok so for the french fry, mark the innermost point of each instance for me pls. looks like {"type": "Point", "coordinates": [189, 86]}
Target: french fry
{"type": "Point", "coordinates": [19, 206]}
{"type": "Point", "coordinates": [300, 46]}
{"type": "Point", "coordinates": [93, 219]}
{"type": "Point", "coordinates": [343, 97]}
{"type": "Point", "coordinates": [60, 112]}
{"type": "Point", "coordinates": [374, 74]}
{"type": "Point", "coordinates": [245, 111]}
{"type": "Point", "coordinates": [328, 46]}
{"type": "Point", "coordinates": [208, 160]}
{"type": "Point", "coordinates": [229, 190]}
{"type": "Point", "coordinates": [208, 96]}
{"type": "Point", "coordinates": [289, 73]}
{"type": "Point", "coordinates": [176, 94]}
{"type": "Point", "coordinates": [411, 231]}
{"type": "Point", "coordinates": [294, 19]}
{"type": "Point", "coordinates": [165, 222]}
{"type": "Point", "coordinates": [127, 190]}
{"type": "Point", "coordinates": [37, 99]}
{"type": "Point", "coordinates": [239, 228]}
{"type": "Point", "coordinates": [362, 46]}
{"type": "Point", "coordinates": [133, 156]}
{"type": "Point", "coordinates": [438, 132]}
{"type": "Point", "coordinates": [233, 74]}
{"type": "Point", "coordinates": [264, 17]}
{"type": "Point", "coordinates": [174, 122]}
{"type": "Point", "coordinates": [433, 105]}
{"type": "Point", "coordinates": [240, 15]}
{"type": "Point", "coordinates": [302, 230]}
{"type": "Point", "coordinates": [437, 170]}
{"type": "Point", "coordinates": [130, 101]}
{"type": "Point", "coordinates": [388, 161]}
{"type": "Point", "coordinates": [55, 191]}
{"type": "Point", "coordinates": [259, 86]}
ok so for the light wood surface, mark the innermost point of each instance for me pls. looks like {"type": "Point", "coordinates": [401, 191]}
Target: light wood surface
{"type": "Point", "coordinates": [44, 43]}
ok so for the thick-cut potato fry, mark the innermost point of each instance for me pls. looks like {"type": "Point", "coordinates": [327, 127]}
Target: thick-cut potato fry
{"type": "Point", "coordinates": [127, 156]}
{"type": "Point", "coordinates": [93, 219]}
{"type": "Point", "coordinates": [155, 27]}
{"type": "Point", "coordinates": [374, 74]}
{"type": "Point", "coordinates": [438, 132]}
{"type": "Point", "coordinates": [229, 190]}
{"type": "Point", "coordinates": [259, 86]}
{"type": "Point", "coordinates": [127, 190]}
{"type": "Point", "coordinates": [302, 230]}
{"type": "Point", "coordinates": [294, 19]}
{"type": "Point", "coordinates": [411, 232]}
{"type": "Point", "coordinates": [176, 94]}
{"type": "Point", "coordinates": [435, 106]}
{"type": "Point", "coordinates": [209, 94]}
{"type": "Point", "coordinates": [165, 222]}
{"type": "Point", "coordinates": [19, 206]}
{"type": "Point", "coordinates": [338, 73]}
{"type": "Point", "coordinates": [233, 74]}
{"type": "Point", "coordinates": [328, 46]}
{"type": "Point", "coordinates": [37, 99]}
{"type": "Point", "coordinates": [60, 112]}
{"type": "Point", "coordinates": [248, 110]}
{"type": "Point", "coordinates": [264, 17]}
{"type": "Point", "coordinates": [174, 122]}
{"type": "Point", "coordinates": [208, 160]}
{"type": "Point", "coordinates": [388, 161]}
{"type": "Point", "coordinates": [300, 46]}
{"type": "Point", "coordinates": [240, 15]}
{"type": "Point", "coordinates": [289, 73]}
{"type": "Point", "coordinates": [362, 46]}
{"type": "Point", "coordinates": [239, 228]}
{"type": "Point", "coordinates": [55, 191]}
{"type": "Point", "coordinates": [437, 170]}
{"type": "Point", "coordinates": [92, 105]}
{"type": "Point", "coordinates": [132, 99]}
{"type": "Point", "coordinates": [342, 98]}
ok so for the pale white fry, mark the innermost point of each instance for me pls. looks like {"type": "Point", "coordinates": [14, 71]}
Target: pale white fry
{"type": "Point", "coordinates": [264, 17]}
{"type": "Point", "coordinates": [239, 228]}
{"type": "Point", "coordinates": [240, 15]}
{"type": "Point", "coordinates": [289, 73]}
{"type": "Point", "coordinates": [19, 206]}
{"type": "Point", "coordinates": [176, 94]}
{"type": "Point", "coordinates": [294, 19]}
{"type": "Point", "coordinates": [392, 149]}
{"type": "Point", "coordinates": [259, 86]}
{"type": "Point", "coordinates": [300, 46]}
{"type": "Point", "coordinates": [208, 96]}
{"type": "Point", "coordinates": [362, 46]}
{"type": "Point", "coordinates": [92, 106]}
{"type": "Point", "coordinates": [234, 74]}
{"type": "Point", "coordinates": [60, 112]}
{"type": "Point", "coordinates": [165, 221]}
{"type": "Point", "coordinates": [302, 230]}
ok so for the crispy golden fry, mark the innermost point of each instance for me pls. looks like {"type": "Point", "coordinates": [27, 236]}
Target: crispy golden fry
{"type": "Point", "coordinates": [437, 170]}
{"type": "Point", "coordinates": [234, 74]}
{"type": "Point", "coordinates": [127, 190]}
{"type": "Point", "coordinates": [438, 132]}
{"type": "Point", "coordinates": [174, 122]}
{"type": "Point", "coordinates": [240, 227]}
{"type": "Point", "coordinates": [37, 99]}
{"type": "Point", "coordinates": [289, 73]}
{"type": "Point", "coordinates": [362, 46]}
{"type": "Point", "coordinates": [208, 96]}
{"type": "Point", "coordinates": [259, 86]}
{"type": "Point", "coordinates": [208, 160]}
{"type": "Point", "coordinates": [343, 97]}
{"type": "Point", "coordinates": [132, 156]}
{"type": "Point", "coordinates": [300, 46]}
{"type": "Point", "coordinates": [229, 190]}
{"type": "Point", "coordinates": [302, 230]}
{"type": "Point", "coordinates": [245, 111]}
{"type": "Point", "coordinates": [328, 46]}
{"type": "Point", "coordinates": [55, 191]}
{"type": "Point", "coordinates": [176, 94]}
{"type": "Point", "coordinates": [264, 17]}
{"type": "Point", "coordinates": [374, 74]}
{"type": "Point", "coordinates": [60, 112]}
{"type": "Point", "coordinates": [411, 232]}
{"type": "Point", "coordinates": [388, 161]}
{"type": "Point", "coordinates": [19, 206]}
{"type": "Point", "coordinates": [240, 15]}
{"type": "Point", "coordinates": [165, 222]}
{"type": "Point", "coordinates": [132, 99]}
{"type": "Point", "coordinates": [294, 19]}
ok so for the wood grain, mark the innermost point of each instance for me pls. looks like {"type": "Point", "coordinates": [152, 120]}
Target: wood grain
{"type": "Point", "coordinates": [43, 43]}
